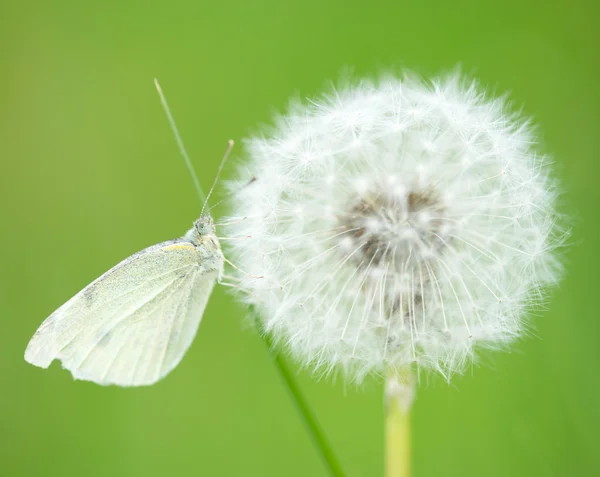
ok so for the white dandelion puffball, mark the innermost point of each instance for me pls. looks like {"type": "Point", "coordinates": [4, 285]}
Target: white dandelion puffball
{"type": "Point", "coordinates": [393, 223]}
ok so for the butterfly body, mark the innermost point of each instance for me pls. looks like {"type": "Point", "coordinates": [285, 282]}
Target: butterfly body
{"type": "Point", "coordinates": [133, 325]}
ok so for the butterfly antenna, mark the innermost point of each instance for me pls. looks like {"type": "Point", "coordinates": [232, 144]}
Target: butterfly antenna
{"type": "Point", "coordinates": [223, 161]}
{"type": "Point", "coordinates": [182, 150]}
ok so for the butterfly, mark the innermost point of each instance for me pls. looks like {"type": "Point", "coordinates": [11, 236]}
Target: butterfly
{"type": "Point", "coordinates": [133, 325]}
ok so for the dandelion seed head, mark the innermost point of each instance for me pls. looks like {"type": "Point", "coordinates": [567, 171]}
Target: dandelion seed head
{"type": "Point", "coordinates": [395, 222]}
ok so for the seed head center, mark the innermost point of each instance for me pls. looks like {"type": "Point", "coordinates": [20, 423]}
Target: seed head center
{"type": "Point", "coordinates": [396, 230]}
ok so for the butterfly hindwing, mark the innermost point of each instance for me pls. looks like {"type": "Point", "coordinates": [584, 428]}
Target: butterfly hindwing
{"type": "Point", "coordinates": [132, 325]}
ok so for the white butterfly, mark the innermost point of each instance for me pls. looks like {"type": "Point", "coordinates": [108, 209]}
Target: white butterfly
{"type": "Point", "coordinates": [133, 325]}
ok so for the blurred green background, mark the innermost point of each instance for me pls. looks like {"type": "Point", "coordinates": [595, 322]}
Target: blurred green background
{"type": "Point", "coordinates": [90, 174]}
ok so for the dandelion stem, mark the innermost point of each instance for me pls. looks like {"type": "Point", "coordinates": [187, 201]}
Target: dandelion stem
{"type": "Point", "coordinates": [399, 395]}
{"type": "Point", "coordinates": [308, 418]}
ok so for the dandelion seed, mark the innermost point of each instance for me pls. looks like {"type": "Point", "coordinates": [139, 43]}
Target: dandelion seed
{"type": "Point", "coordinates": [396, 222]}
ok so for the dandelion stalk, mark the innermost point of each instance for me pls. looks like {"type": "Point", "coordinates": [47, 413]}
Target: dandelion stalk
{"type": "Point", "coordinates": [399, 395]}
{"type": "Point", "coordinates": [308, 417]}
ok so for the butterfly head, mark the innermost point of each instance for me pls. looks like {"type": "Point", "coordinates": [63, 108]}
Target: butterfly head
{"type": "Point", "coordinates": [205, 225]}
{"type": "Point", "coordinates": [203, 236]}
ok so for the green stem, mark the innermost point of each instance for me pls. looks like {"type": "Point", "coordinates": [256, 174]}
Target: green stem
{"type": "Point", "coordinates": [308, 418]}
{"type": "Point", "coordinates": [399, 395]}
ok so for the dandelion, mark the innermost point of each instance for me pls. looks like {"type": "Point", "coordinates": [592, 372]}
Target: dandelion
{"type": "Point", "coordinates": [395, 223]}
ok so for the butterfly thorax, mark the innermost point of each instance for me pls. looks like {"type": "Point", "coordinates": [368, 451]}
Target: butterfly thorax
{"type": "Point", "coordinates": [203, 236]}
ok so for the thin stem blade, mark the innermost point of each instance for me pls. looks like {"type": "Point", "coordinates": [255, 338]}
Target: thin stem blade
{"type": "Point", "coordinates": [308, 417]}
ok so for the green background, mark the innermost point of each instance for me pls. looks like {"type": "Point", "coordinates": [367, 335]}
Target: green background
{"type": "Point", "coordinates": [90, 174]}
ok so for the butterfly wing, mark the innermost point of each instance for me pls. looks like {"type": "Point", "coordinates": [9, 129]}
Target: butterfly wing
{"type": "Point", "coordinates": [132, 325]}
